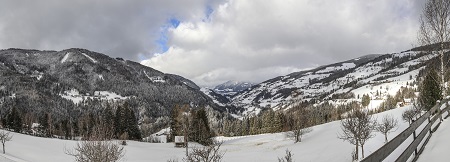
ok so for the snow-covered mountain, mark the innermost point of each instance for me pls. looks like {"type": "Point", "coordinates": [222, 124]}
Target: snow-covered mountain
{"type": "Point", "coordinates": [230, 88]}
{"type": "Point", "coordinates": [72, 82]}
{"type": "Point", "coordinates": [376, 75]}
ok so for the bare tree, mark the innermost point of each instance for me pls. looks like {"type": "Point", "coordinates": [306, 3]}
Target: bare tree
{"type": "Point", "coordinates": [366, 126]}
{"type": "Point", "coordinates": [409, 115]}
{"type": "Point", "coordinates": [298, 133]}
{"type": "Point", "coordinates": [357, 129]}
{"type": "Point", "coordinates": [98, 151]}
{"type": "Point", "coordinates": [299, 123]}
{"type": "Point", "coordinates": [349, 128]}
{"type": "Point", "coordinates": [98, 147]}
{"type": "Point", "coordinates": [388, 123]}
{"type": "Point", "coordinates": [435, 29]}
{"type": "Point", "coordinates": [5, 137]}
{"type": "Point", "coordinates": [287, 157]}
{"type": "Point", "coordinates": [209, 153]}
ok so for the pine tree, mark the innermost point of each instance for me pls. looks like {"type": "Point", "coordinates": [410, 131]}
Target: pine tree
{"type": "Point", "coordinates": [119, 120]}
{"type": "Point", "coordinates": [430, 90]}
{"type": "Point", "coordinates": [75, 128]}
{"type": "Point", "coordinates": [132, 125]}
{"type": "Point", "coordinates": [44, 124]}
{"type": "Point", "coordinates": [14, 120]}
{"type": "Point", "coordinates": [365, 100]}
{"type": "Point", "coordinates": [66, 129]}
{"type": "Point", "coordinates": [175, 123]}
{"type": "Point", "coordinates": [194, 130]}
{"type": "Point", "coordinates": [245, 127]}
{"type": "Point", "coordinates": [277, 122]}
{"type": "Point", "coordinates": [204, 131]}
{"type": "Point", "coordinates": [108, 120]}
{"type": "Point", "coordinates": [125, 121]}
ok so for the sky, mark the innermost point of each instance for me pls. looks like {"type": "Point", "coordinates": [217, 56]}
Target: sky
{"type": "Point", "coordinates": [214, 41]}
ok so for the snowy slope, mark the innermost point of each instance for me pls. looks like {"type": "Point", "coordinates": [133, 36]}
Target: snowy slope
{"type": "Point", "coordinates": [216, 97]}
{"type": "Point", "coordinates": [439, 145]}
{"type": "Point", "coordinates": [321, 145]}
{"type": "Point", "coordinates": [385, 73]}
{"type": "Point", "coordinates": [65, 57]}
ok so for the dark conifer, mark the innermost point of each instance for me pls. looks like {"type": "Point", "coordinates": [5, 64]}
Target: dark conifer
{"type": "Point", "coordinates": [430, 90]}
{"type": "Point", "coordinates": [175, 124]}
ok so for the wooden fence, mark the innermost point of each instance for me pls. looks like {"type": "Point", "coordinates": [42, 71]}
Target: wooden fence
{"type": "Point", "coordinates": [432, 116]}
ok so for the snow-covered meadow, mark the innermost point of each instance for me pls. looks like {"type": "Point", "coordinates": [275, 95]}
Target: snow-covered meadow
{"type": "Point", "coordinates": [320, 145]}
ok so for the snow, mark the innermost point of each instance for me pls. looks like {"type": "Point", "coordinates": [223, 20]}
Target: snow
{"type": "Point", "coordinates": [344, 66]}
{"type": "Point", "coordinates": [161, 135]}
{"type": "Point", "coordinates": [65, 57]}
{"type": "Point", "coordinates": [155, 79]}
{"type": "Point", "coordinates": [75, 96]}
{"type": "Point", "coordinates": [438, 146]}
{"type": "Point", "coordinates": [38, 75]}
{"type": "Point", "coordinates": [90, 58]}
{"type": "Point", "coordinates": [321, 145]}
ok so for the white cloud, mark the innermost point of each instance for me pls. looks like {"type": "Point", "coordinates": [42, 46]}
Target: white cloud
{"type": "Point", "coordinates": [257, 40]}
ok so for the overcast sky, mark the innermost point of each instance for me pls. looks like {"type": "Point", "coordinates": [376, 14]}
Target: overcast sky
{"type": "Point", "coordinates": [213, 41]}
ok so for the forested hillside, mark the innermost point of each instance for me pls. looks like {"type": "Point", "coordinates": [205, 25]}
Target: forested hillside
{"type": "Point", "coordinates": [74, 87]}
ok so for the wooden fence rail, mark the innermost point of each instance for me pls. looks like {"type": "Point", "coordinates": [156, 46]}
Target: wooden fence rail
{"type": "Point", "coordinates": [384, 151]}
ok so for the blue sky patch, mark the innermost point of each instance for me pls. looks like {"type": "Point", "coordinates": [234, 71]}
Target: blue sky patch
{"type": "Point", "coordinates": [208, 11]}
{"type": "Point", "coordinates": [163, 38]}
{"type": "Point", "coordinates": [174, 22]}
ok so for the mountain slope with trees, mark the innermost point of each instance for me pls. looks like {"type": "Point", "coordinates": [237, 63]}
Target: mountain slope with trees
{"type": "Point", "coordinates": [40, 87]}
{"type": "Point", "coordinates": [339, 83]}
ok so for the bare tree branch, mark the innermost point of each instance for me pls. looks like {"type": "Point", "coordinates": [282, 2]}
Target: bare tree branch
{"type": "Point", "coordinates": [287, 157]}
{"type": "Point", "coordinates": [387, 125]}
{"type": "Point", "coordinates": [209, 153]}
{"type": "Point", "coordinates": [5, 137]}
{"type": "Point", "coordinates": [98, 147]}
{"type": "Point", "coordinates": [357, 129]}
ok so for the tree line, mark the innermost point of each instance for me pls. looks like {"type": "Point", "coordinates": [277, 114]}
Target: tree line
{"type": "Point", "coordinates": [122, 122]}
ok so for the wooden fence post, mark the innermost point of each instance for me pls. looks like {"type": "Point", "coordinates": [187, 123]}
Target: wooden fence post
{"type": "Point", "coordinates": [414, 138]}
{"type": "Point", "coordinates": [429, 121]}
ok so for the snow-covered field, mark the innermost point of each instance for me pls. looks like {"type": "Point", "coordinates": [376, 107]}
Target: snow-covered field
{"type": "Point", "coordinates": [320, 145]}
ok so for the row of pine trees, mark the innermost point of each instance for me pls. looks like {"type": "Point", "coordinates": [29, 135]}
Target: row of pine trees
{"type": "Point", "coordinates": [120, 123]}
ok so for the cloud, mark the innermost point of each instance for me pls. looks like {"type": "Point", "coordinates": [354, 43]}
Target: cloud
{"type": "Point", "coordinates": [255, 41]}
{"type": "Point", "coordinates": [128, 29]}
